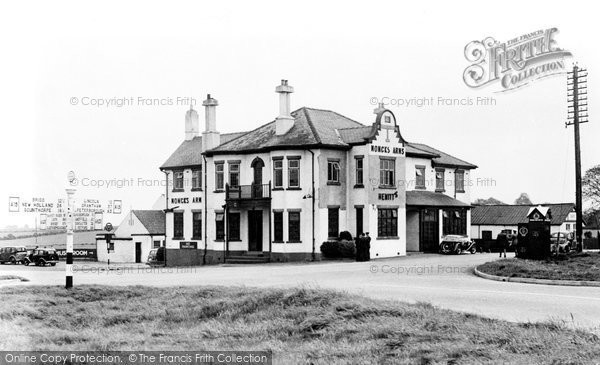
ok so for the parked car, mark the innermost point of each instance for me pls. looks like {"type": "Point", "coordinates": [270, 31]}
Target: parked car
{"type": "Point", "coordinates": [562, 241]}
{"type": "Point", "coordinates": [156, 256]}
{"type": "Point", "coordinates": [9, 254]}
{"type": "Point", "coordinates": [43, 257]}
{"type": "Point", "coordinates": [23, 257]}
{"type": "Point", "coordinates": [453, 243]}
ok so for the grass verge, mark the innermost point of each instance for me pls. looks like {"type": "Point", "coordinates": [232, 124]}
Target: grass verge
{"type": "Point", "coordinates": [298, 325]}
{"type": "Point", "coordinates": [12, 277]}
{"type": "Point", "coordinates": [580, 266]}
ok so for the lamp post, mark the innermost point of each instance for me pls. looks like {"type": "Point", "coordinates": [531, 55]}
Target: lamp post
{"type": "Point", "coordinates": [69, 262]}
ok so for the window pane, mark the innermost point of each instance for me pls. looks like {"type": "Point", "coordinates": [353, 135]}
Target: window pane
{"type": "Point", "coordinates": [278, 224]}
{"type": "Point", "coordinates": [294, 226]}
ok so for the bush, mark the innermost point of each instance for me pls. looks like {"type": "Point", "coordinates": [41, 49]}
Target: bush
{"type": "Point", "coordinates": [345, 235]}
{"type": "Point", "coordinates": [338, 249]}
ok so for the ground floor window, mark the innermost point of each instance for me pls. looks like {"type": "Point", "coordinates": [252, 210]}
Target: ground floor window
{"type": "Point", "coordinates": [455, 221]}
{"type": "Point", "coordinates": [278, 225]}
{"type": "Point", "coordinates": [178, 225]}
{"type": "Point", "coordinates": [294, 227]}
{"type": "Point", "coordinates": [333, 219]}
{"type": "Point", "coordinates": [234, 226]}
{"type": "Point", "coordinates": [155, 244]}
{"type": "Point", "coordinates": [387, 223]}
{"type": "Point", "coordinates": [220, 226]}
{"type": "Point", "coordinates": [197, 225]}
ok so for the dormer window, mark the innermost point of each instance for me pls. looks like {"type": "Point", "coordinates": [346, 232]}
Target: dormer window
{"type": "Point", "coordinates": [178, 181]}
{"type": "Point", "coordinates": [420, 177]}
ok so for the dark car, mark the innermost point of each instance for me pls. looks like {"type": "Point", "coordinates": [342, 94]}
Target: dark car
{"type": "Point", "coordinates": [43, 257]}
{"type": "Point", "coordinates": [561, 241]}
{"type": "Point", "coordinates": [156, 256]}
{"type": "Point", "coordinates": [10, 254]}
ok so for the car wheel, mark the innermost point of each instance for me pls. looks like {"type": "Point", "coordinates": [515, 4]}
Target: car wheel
{"type": "Point", "coordinates": [53, 264]}
{"type": "Point", "coordinates": [13, 261]}
{"type": "Point", "coordinates": [26, 263]}
{"type": "Point", "coordinates": [473, 250]}
{"type": "Point", "coordinates": [458, 251]}
{"type": "Point", "coordinates": [446, 247]}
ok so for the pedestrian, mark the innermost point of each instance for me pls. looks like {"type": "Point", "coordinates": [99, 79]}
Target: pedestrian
{"type": "Point", "coordinates": [367, 247]}
{"type": "Point", "coordinates": [503, 243]}
{"type": "Point", "coordinates": [358, 243]}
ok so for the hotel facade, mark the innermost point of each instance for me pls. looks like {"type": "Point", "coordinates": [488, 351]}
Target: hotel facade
{"type": "Point", "coordinates": [278, 192]}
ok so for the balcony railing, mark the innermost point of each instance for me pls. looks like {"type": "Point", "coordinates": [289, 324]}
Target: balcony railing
{"type": "Point", "coordinates": [248, 192]}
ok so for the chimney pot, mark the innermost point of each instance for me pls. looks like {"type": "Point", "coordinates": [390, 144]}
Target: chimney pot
{"type": "Point", "coordinates": [284, 121]}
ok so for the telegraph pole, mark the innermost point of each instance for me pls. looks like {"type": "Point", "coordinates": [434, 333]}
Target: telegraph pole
{"type": "Point", "coordinates": [577, 113]}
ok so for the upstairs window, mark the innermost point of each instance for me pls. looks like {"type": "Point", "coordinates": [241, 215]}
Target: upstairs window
{"type": "Point", "coordinates": [219, 176]}
{"type": "Point", "coordinates": [439, 180]}
{"type": "Point", "coordinates": [333, 171]}
{"type": "Point", "coordinates": [359, 171]}
{"type": "Point", "coordinates": [459, 183]}
{"type": "Point", "coordinates": [294, 173]}
{"type": "Point", "coordinates": [278, 173]}
{"type": "Point", "coordinates": [197, 179]}
{"type": "Point", "coordinates": [387, 172]}
{"type": "Point", "coordinates": [420, 177]}
{"type": "Point", "coordinates": [178, 180]}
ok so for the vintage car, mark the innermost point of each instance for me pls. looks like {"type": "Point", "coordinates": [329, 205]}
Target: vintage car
{"type": "Point", "coordinates": [156, 257]}
{"type": "Point", "coordinates": [453, 243]}
{"type": "Point", "coordinates": [10, 254]}
{"type": "Point", "coordinates": [561, 242]}
{"type": "Point", "coordinates": [42, 257]}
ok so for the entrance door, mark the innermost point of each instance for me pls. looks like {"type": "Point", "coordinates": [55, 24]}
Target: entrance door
{"type": "Point", "coordinates": [138, 252]}
{"type": "Point", "coordinates": [429, 230]}
{"type": "Point", "coordinates": [255, 230]}
{"type": "Point", "coordinates": [359, 221]}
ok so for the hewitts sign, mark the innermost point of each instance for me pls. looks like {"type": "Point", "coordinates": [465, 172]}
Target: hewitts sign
{"type": "Point", "coordinates": [516, 62]}
{"type": "Point", "coordinates": [188, 245]}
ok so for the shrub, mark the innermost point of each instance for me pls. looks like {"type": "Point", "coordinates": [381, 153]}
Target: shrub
{"type": "Point", "coordinates": [331, 249]}
{"type": "Point", "coordinates": [345, 235]}
{"type": "Point", "coordinates": [338, 249]}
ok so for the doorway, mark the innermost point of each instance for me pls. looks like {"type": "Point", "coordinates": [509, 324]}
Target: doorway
{"type": "Point", "coordinates": [429, 230]}
{"type": "Point", "coordinates": [138, 252]}
{"type": "Point", "coordinates": [255, 230]}
{"type": "Point", "coordinates": [359, 221]}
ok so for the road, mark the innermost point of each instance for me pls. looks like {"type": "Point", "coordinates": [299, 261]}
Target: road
{"type": "Point", "coordinates": [444, 281]}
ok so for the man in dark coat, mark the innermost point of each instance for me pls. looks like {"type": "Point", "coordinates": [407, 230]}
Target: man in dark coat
{"type": "Point", "coordinates": [359, 247]}
{"type": "Point", "coordinates": [367, 247]}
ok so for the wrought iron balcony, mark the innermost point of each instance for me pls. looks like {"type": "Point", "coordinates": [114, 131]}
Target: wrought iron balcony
{"type": "Point", "coordinates": [248, 192]}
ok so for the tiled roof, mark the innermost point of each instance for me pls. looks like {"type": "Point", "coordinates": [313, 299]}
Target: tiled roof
{"type": "Point", "coordinates": [511, 215]}
{"type": "Point", "coordinates": [153, 220]}
{"type": "Point", "coordinates": [189, 153]}
{"type": "Point", "coordinates": [431, 199]}
{"type": "Point", "coordinates": [444, 158]}
{"type": "Point", "coordinates": [311, 127]}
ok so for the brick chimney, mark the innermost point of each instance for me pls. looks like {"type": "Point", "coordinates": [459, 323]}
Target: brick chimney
{"type": "Point", "coordinates": [284, 121]}
{"type": "Point", "coordinates": [192, 124]}
{"type": "Point", "coordinates": [211, 138]}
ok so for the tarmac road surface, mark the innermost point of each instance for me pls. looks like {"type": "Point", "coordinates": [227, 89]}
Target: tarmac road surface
{"type": "Point", "coordinates": [444, 281]}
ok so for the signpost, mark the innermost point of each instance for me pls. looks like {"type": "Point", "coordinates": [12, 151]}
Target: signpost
{"type": "Point", "coordinates": [69, 259]}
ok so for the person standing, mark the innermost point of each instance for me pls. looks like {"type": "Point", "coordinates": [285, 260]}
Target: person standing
{"type": "Point", "coordinates": [503, 243]}
{"type": "Point", "coordinates": [359, 244]}
{"type": "Point", "coordinates": [367, 247]}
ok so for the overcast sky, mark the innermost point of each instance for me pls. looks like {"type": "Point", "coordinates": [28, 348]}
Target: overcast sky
{"type": "Point", "coordinates": [337, 56]}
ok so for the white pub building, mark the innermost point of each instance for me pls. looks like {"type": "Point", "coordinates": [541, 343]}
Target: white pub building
{"type": "Point", "coordinates": [278, 192]}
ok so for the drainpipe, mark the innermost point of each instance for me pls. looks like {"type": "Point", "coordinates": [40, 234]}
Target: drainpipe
{"type": "Point", "coordinates": [313, 255]}
{"type": "Point", "coordinates": [205, 213]}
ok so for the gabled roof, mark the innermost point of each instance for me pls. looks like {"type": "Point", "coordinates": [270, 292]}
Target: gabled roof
{"type": "Point", "coordinates": [443, 158]}
{"type": "Point", "coordinates": [189, 153]}
{"type": "Point", "coordinates": [312, 127]}
{"type": "Point", "coordinates": [423, 198]}
{"type": "Point", "coordinates": [511, 215]}
{"type": "Point", "coordinates": [152, 220]}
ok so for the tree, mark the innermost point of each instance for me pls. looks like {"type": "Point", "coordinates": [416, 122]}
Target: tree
{"type": "Point", "coordinates": [488, 201]}
{"type": "Point", "coordinates": [523, 199]}
{"type": "Point", "coordinates": [590, 186]}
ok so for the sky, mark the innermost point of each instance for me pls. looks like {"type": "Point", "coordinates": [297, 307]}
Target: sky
{"type": "Point", "coordinates": [60, 58]}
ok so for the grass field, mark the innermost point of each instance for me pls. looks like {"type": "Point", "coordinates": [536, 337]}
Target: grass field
{"type": "Point", "coordinates": [580, 266]}
{"type": "Point", "coordinates": [298, 325]}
